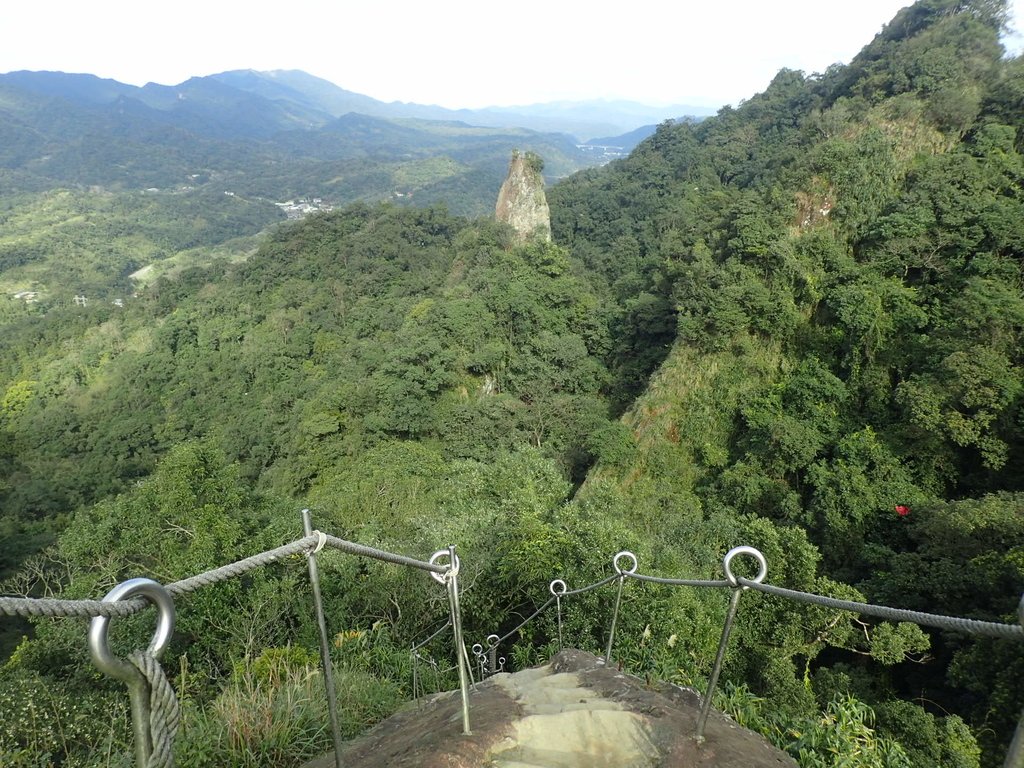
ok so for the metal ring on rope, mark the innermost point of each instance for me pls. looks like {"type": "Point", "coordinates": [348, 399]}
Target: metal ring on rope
{"type": "Point", "coordinates": [624, 553]}
{"type": "Point", "coordinates": [744, 550]}
{"type": "Point", "coordinates": [453, 569]}
{"type": "Point", "coordinates": [492, 640]}
{"type": "Point", "coordinates": [551, 587]}
{"type": "Point", "coordinates": [99, 648]}
{"type": "Point", "coordinates": [321, 540]}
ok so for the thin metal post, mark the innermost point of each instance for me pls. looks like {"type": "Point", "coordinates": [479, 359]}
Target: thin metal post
{"type": "Point", "coordinates": [558, 604]}
{"type": "Point", "coordinates": [1015, 755]}
{"type": "Point", "coordinates": [558, 608]}
{"type": "Point", "coordinates": [618, 599]}
{"type": "Point", "coordinates": [730, 616]}
{"type": "Point", "coordinates": [452, 581]}
{"type": "Point", "coordinates": [138, 694]}
{"type": "Point", "coordinates": [325, 648]}
{"type": "Point", "coordinates": [615, 618]}
{"type": "Point", "coordinates": [481, 660]}
{"type": "Point", "coordinates": [415, 676]}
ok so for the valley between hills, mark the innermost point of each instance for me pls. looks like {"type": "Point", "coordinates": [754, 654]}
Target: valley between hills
{"type": "Point", "coordinates": [795, 324]}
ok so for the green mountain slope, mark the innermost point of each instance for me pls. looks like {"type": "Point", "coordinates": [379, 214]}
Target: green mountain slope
{"type": "Point", "coordinates": [203, 163]}
{"type": "Point", "coordinates": [828, 283]}
{"type": "Point", "coordinates": [62, 243]}
{"type": "Point", "coordinates": [795, 325]}
{"type": "Point", "coordinates": [419, 327]}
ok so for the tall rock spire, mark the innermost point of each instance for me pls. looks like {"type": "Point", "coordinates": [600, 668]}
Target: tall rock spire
{"type": "Point", "coordinates": [521, 201]}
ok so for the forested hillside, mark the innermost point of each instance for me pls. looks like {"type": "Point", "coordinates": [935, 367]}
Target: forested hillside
{"type": "Point", "coordinates": [830, 279]}
{"type": "Point", "coordinates": [795, 325]}
{"type": "Point", "coordinates": [99, 179]}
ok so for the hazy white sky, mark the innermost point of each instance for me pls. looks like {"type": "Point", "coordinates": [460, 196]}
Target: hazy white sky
{"type": "Point", "coordinates": [456, 53]}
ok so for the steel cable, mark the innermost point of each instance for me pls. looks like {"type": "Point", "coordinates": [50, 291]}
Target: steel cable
{"type": "Point", "coordinates": [969, 626]}
{"type": "Point", "coordinates": [523, 623]}
{"type": "Point", "coordinates": [419, 645]}
{"type": "Point", "coordinates": [589, 587]}
{"type": "Point", "coordinates": [677, 582]}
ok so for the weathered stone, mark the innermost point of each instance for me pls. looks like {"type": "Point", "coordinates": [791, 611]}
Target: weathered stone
{"type": "Point", "coordinates": [572, 713]}
{"type": "Point", "coordinates": [521, 200]}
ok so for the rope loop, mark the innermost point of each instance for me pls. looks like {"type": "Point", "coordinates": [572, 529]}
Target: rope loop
{"type": "Point", "coordinates": [744, 550]}
{"type": "Point", "coordinates": [321, 540]}
{"type": "Point", "coordinates": [453, 569]}
{"type": "Point", "coordinates": [628, 554]}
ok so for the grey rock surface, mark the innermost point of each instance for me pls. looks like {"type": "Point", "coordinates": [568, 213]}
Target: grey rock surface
{"type": "Point", "coordinates": [521, 200]}
{"type": "Point", "coordinates": [571, 713]}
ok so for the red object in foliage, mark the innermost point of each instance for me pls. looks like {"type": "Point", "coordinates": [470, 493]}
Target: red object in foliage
{"type": "Point", "coordinates": [902, 510]}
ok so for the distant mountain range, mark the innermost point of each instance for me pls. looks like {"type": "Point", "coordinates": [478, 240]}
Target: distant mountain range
{"type": "Point", "coordinates": [259, 104]}
{"type": "Point", "coordinates": [58, 128]}
{"type": "Point", "coordinates": [160, 171]}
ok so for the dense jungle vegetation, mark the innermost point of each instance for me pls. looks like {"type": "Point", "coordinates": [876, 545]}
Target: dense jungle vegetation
{"type": "Point", "coordinates": [795, 325]}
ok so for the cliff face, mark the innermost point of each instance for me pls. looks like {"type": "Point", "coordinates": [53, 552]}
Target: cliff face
{"type": "Point", "coordinates": [521, 201]}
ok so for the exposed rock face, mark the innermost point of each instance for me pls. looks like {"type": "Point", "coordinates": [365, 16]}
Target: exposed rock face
{"type": "Point", "coordinates": [572, 713]}
{"type": "Point", "coordinates": [521, 201]}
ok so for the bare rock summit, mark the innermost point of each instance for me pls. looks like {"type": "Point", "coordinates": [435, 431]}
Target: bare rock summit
{"type": "Point", "coordinates": [521, 201]}
{"type": "Point", "coordinates": [571, 713]}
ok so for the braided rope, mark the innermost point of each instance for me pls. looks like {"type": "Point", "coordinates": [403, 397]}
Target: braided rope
{"type": "Point", "coordinates": [388, 557]}
{"type": "Point", "coordinates": [57, 607]}
{"type": "Point", "coordinates": [164, 712]}
{"type": "Point", "coordinates": [86, 609]}
{"type": "Point", "coordinates": [237, 568]}
{"type": "Point", "coordinates": [968, 626]}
